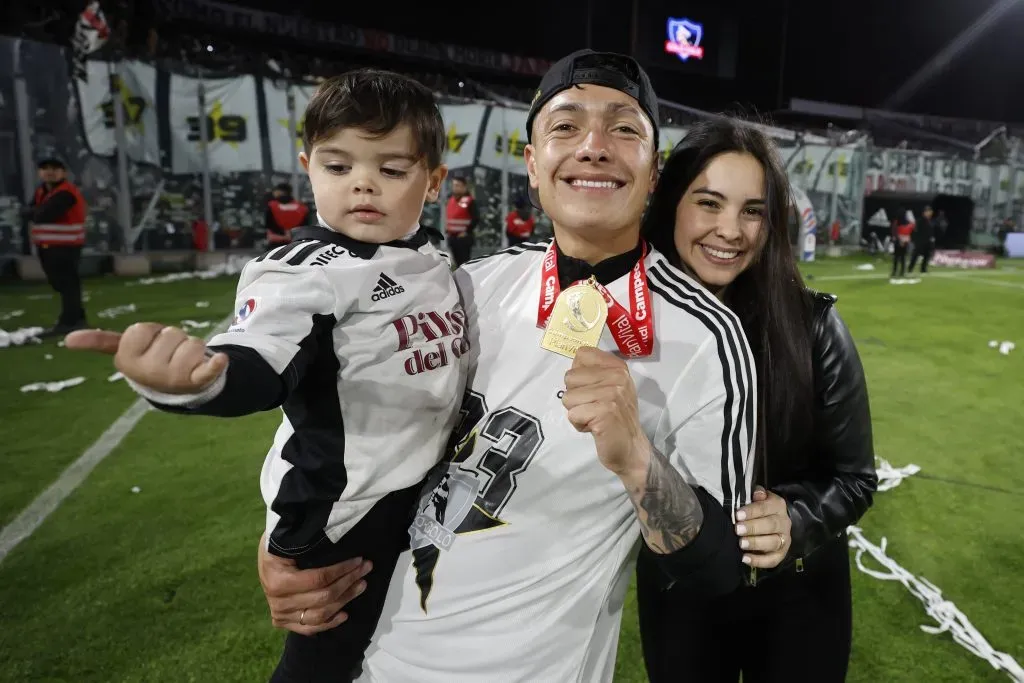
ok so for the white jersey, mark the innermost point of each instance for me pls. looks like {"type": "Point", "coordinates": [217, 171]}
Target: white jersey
{"type": "Point", "coordinates": [367, 357]}
{"type": "Point", "coordinates": [522, 547]}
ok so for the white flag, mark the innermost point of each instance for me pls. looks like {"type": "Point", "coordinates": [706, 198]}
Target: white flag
{"type": "Point", "coordinates": [668, 138]}
{"type": "Point", "coordinates": [136, 89]}
{"type": "Point", "coordinates": [505, 139]}
{"type": "Point", "coordinates": [232, 125]}
{"type": "Point", "coordinates": [462, 129]}
{"type": "Point", "coordinates": [282, 150]}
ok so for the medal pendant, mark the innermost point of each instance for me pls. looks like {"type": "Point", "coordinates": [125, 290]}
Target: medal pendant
{"type": "Point", "coordinates": [577, 319]}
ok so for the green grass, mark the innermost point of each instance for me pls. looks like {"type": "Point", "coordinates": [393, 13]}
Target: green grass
{"type": "Point", "coordinates": [160, 585]}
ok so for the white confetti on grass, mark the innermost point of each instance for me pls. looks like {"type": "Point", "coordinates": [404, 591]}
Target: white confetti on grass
{"type": "Point", "coordinates": [115, 311]}
{"type": "Point", "coordinates": [232, 266]}
{"type": "Point", "coordinates": [20, 337]}
{"type": "Point", "coordinates": [946, 615]}
{"type": "Point", "coordinates": [189, 325]}
{"type": "Point", "coordinates": [11, 314]}
{"type": "Point", "coordinates": [202, 304]}
{"type": "Point", "coordinates": [53, 387]}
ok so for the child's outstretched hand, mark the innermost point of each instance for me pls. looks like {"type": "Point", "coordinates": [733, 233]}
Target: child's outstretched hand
{"type": "Point", "coordinates": [158, 357]}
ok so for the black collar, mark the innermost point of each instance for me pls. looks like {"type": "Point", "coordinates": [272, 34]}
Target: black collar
{"type": "Point", "coordinates": [611, 269]}
{"type": "Point", "coordinates": [364, 250]}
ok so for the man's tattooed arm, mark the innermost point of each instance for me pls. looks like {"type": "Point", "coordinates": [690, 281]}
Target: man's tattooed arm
{"type": "Point", "coordinates": [668, 509]}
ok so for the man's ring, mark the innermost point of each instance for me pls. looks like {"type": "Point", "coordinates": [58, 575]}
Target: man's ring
{"type": "Point", "coordinates": [782, 543]}
{"type": "Point", "coordinates": [302, 618]}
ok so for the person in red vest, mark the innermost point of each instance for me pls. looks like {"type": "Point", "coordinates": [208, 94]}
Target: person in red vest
{"type": "Point", "coordinates": [284, 214]}
{"type": "Point", "coordinates": [519, 224]}
{"type": "Point", "coordinates": [57, 232]}
{"type": "Point", "coordinates": [902, 232]}
{"type": "Point", "coordinates": [462, 217]}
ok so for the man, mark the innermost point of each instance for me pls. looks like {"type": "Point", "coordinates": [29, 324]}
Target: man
{"type": "Point", "coordinates": [57, 231]}
{"type": "Point", "coordinates": [284, 214]}
{"type": "Point", "coordinates": [523, 540]}
{"type": "Point", "coordinates": [924, 240]}
{"type": "Point", "coordinates": [462, 218]}
{"type": "Point", "coordinates": [520, 223]}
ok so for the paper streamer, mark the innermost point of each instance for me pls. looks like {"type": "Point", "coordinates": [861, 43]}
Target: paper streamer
{"type": "Point", "coordinates": [946, 615]}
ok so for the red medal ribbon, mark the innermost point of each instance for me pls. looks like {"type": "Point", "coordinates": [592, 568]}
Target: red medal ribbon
{"type": "Point", "coordinates": [633, 330]}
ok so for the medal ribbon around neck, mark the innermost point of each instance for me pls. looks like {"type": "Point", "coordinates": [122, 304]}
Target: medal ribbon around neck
{"type": "Point", "coordinates": [633, 330]}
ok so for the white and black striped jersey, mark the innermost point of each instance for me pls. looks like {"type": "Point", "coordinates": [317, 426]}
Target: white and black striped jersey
{"type": "Point", "coordinates": [364, 348]}
{"type": "Point", "coordinates": [523, 543]}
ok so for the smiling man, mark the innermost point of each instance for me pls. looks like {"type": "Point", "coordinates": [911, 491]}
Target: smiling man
{"type": "Point", "coordinates": [567, 458]}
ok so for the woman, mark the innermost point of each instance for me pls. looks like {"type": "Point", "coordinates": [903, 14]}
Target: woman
{"type": "Point", "coordinates": [725, 192]}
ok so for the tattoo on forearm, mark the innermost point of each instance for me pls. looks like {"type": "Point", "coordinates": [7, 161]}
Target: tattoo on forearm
{"type": "Point", "coordinates": [668, 509]}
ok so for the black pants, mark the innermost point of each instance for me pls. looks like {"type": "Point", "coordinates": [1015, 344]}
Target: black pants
{"type": "Point", "coordinates": [461, 248]}
{"type": "Point", "coordinates": [336, 656]}
{"type": "Point", "coordinates": [61, 267]}
{"type": "Point", "coordinates": [899, 259]}
{"type": "Point", "coordinates": [790, 628]}
{"type": "Point", "coordinates": [925, 253]}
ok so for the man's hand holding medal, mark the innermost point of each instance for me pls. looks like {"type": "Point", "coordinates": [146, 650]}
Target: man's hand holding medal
{"type": "Point", "coordinates": [600, 395]}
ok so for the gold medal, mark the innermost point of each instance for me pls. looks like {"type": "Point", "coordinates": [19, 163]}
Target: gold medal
{"type": "Point", "coordinates": [577, 319]}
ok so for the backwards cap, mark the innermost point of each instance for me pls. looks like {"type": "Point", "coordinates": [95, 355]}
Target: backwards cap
{"type": "Point", "coordinates": [609, 69]}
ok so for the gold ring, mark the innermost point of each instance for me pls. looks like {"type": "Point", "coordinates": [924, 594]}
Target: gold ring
{"type": "Point", "coordinates": [301, 617]}
{"type": "Point", "coordinates": [782, 541]}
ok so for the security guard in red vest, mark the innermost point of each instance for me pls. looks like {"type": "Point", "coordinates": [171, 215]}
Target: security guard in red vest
{"type": "Point", "coordinates": [519, 224]}
{"type": "Point", "coordinates": [57, 231]}
{"type": "Point", "coordinates": [462, 217]}
{"type": "Point", "coordinates": [284, 214]}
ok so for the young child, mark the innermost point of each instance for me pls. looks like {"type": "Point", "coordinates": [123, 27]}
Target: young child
{"type": "Point", "coordinates": [355, 329]}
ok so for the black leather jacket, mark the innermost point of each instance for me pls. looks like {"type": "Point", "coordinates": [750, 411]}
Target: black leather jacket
{"type": "Point", "coordinates": [839, 487]}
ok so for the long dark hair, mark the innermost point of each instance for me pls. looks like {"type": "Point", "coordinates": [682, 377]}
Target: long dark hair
{"type": "Point", "coordinates": [769, 297]}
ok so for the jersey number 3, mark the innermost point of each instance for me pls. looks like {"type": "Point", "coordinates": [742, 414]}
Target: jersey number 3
{"type": "Point", "coordinates": [466, 493]}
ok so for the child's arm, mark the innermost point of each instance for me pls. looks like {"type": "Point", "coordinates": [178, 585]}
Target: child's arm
{"type": "Point", "coordinates": [285, 314]}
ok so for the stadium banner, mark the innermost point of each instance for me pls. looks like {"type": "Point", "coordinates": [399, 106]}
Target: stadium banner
{"type": "Point", "coordinates": [808, 223]}
{"type": "Point", "coordinates": [136, 91]}
{"type": "Point", "coordinates": [232, 125]}
{"type": "Point", "coordinates": [505, 137]}
{"type": "Point", "coordinates": [282, 149]}
{"type": "Point", "coordinates": [919, 171]}
{"type": "Point", "coordinates": [813, 167]}
{"type": "Point", "coordinates": [244, 19]}
{"type": "Point", "coordinates": [963, 259]}
{"type": "Point", "coordinates": [668, 138]}
{"type": "Point", "coordinates": [462, 123]}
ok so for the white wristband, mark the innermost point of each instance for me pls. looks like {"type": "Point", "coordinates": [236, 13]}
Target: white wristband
{"type": "Point", "coordinates": [182, 400]}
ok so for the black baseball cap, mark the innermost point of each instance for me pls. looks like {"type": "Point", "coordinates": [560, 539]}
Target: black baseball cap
{"type": "Point", "coordinates": [609, 69]}
{"type": "Point", "coordinates": [51, 162]}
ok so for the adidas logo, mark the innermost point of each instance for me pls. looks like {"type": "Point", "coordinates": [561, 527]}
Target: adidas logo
{"type": "Point", "coordinates": [386, 287]}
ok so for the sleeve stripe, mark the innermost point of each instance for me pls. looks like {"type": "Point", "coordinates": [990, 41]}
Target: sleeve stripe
{"type": "Point", "coordinates": [283, 251]}
{"type": "Point", "coordinates": [518, 249]}
{"type": "Point", "coordinates": [305, 253]}
{"type": "Point", "coordinates": [740, 385]}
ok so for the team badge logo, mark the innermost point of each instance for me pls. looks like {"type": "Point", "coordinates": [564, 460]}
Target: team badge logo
{"type": "Point", "coordinates": [243, 315]}
{"type": "Point", "coordinates": [684, 38]}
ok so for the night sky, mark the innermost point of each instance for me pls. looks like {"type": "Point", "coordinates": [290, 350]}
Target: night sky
{"type": "Point", "coordinates": [850, 53]}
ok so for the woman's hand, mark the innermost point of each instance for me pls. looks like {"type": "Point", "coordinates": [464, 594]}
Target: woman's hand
{"type": "Point", "coordinates": [308, 601]}
{"type": "Point", "coordinates": [764, 529]}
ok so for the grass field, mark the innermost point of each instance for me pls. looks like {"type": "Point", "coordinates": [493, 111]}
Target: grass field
{"type": "Point", "coordinates": [160, 585]}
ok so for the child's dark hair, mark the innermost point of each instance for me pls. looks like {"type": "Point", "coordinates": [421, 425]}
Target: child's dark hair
{"type": "Point", "coordinates": [377, 102]}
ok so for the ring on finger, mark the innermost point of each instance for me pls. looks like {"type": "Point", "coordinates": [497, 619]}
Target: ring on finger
{"type": "Point", "coordinates": [782, 541]}
{"type": "Point", "coordinates": [302, 618]}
